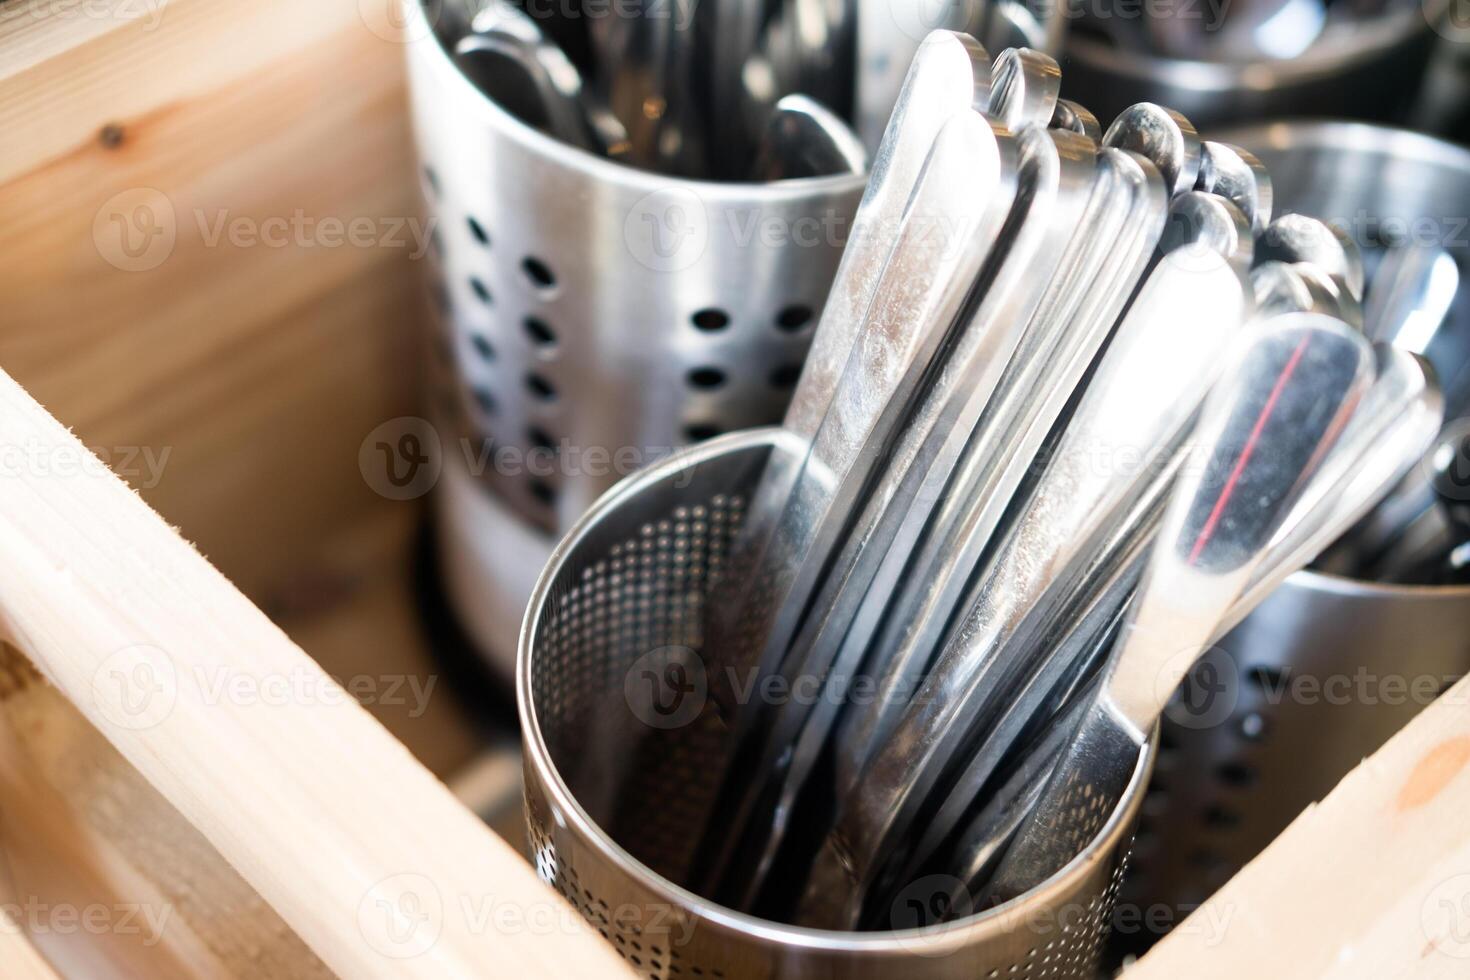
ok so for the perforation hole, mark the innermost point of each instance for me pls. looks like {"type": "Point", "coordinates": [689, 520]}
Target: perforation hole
{"type": "Point", "coordinates": [539, 331]}
{"type": "Point", "coordinates": [700, 431]}
{"type": "Point", "coordinates": [710, 319]}
{"type": "Point", "coordinates": [477, 231]}
{"type": "Point", "coordinates": [706, 377]}
{"type": "Point", "coordinates": [540, 388]}
{"type": "Point", "coordinates": [482, 346]}
{"type": "Point", "coordinates": [485, 400]}
{"type": "Point", "coordinates": [431, 181]}
{"type": "Point", "coordinates": [539, 273]}
{"type": "Point", "coordinates": [481, 291]}
{"type": "Point", "coordinates": [794, 318]}
{"type": "Point", "coordinates": [1236, 774]}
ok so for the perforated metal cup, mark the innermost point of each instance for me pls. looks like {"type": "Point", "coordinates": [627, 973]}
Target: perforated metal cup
{"type": "Point", "coordinates": [624, 753]}
{"type": "Point", "coordinates": [597, 316]}
{"type": "Point", "coordinates": [1326, 669]}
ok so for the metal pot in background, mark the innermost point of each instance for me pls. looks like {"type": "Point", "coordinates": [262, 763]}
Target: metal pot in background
{"type": "Point", "coordinates": [1370, 69]}
{"type": "Point", "coordinates": [594, 318]}
{"type": "Point", "coordinates": [1327, 669]}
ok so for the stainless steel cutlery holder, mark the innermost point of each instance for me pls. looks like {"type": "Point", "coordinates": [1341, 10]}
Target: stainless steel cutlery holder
{"type": "Point", "coordinates": [1328, 668]}
{"type": "Point", "coordinates": [600, 315]}
{"type": "Point", "coordinates": [1315, 680]}
{"type": "Point", "coordinates": [624, 753]}
{"type": "Point", "coordinates": [1370, 71]}
{"type": "Point", "coordinates": [593, 318]}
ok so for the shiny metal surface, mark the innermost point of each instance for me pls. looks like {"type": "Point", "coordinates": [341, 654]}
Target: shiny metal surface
{"type": "Point", "coordinates": [1370, 70]}
{"type": "Point", "coordinates": [1277, 715]}
{"type": "Point", "coordinates": [1035, 258]}
{"type": "Point", "coordinates": [1113, 243]}
{"type": "Point", "coordinates": [1238, 176]}
{"type": "Point", "coordinates": [1024, 85]}
{"type": "Point", "coordinates": [614, 802]}
{"type": "Point", "coordinates": [804, 139]}
{"type": "Point", "coordinates": [601, 316]}
{"type": "Point", "coordinates": [1122, 446]}
{"type": "Point", "coordinates": [889, 35]}
{"type": "Point", "coordinates": [1289, 386]}
{"type": "Point", "coordinates": [1053, 176]}
{"type": "Point", "coordinates": [1296, 237]}
{"type": "Point", "coordinates": [1396, 424]}
{"type": "Point", "coordinates": [1165, 137]}
{"type": "Point", "coordinates": [948, 81]}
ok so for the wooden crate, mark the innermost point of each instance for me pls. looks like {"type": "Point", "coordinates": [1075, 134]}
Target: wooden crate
{"type": "Point", "coordinates": [272, 832]}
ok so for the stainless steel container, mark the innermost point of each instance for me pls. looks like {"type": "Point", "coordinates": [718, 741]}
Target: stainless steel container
{"type": "Point", "coordinates": [1324, 671]}
{"type": "Point", "coordinates": [1371, 70]}
{"type": "Point", "coordinates": [1315, 680]}
{"type": "Point", "coordinates": [623, 755]}
{"type": "Point", "coordinates": [596, 317]}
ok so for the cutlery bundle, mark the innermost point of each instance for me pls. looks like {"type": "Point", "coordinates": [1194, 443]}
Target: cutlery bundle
{"type": "Point", "coordinates": [1076, 403]}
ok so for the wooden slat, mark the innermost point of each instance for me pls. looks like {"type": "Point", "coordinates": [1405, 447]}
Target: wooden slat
{"type": "Point", "coordinates": [21, 960]}
{"type": "Point", "coordinates": [258, 370]}
{"type": "Point", "coordinates": [118, 882]}
{"type": "Point", "coordinates": [1372, 882]}
{"type": "Point", "coordinates": [362, 852]}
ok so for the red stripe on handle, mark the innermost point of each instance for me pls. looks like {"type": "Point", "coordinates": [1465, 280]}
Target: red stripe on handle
{"type": "Point", "coordinates": [1208, 530]}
